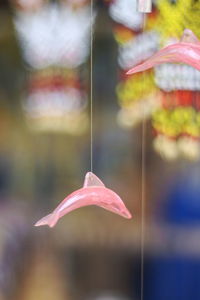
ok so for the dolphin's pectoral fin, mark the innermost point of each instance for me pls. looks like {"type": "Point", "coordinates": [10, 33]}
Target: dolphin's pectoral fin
{"type": "Point", "coordinates": [117, 209]}
{"type": "Point", "coordinates": [92, 180]}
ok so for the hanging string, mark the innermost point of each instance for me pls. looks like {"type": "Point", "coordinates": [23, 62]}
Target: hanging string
{"type": "Point", "coordinates": [143, 206]}
{"type": "Point", "coordinates": [143, 189]}
{"type": "Point", "coordinates": [91, 85]}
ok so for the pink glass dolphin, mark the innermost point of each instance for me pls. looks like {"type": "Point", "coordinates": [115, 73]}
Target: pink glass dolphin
{"type": "Point", "coordinates": [93, 192]}
{"type": "Point", "coordinates": [186, 51]}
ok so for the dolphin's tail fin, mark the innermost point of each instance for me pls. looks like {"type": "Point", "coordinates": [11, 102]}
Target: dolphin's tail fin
{"type": "Point", "coordinates": [49, 220]}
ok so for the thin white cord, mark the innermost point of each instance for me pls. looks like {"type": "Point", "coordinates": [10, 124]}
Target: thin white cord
{"type": "Point", "coordinates": [143, 192]}
{"type": "Point", "coordinates": [91, 85]}
{"type": "Point", "coordinates": [143, 204]}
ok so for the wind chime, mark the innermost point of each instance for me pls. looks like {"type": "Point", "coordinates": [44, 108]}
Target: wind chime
{"type": "Point", "coordinates": [178, 118]}
{"type": "Point", "coordinates": [134, 45]}
{"type": "Point", "coordinates": [171, 91]}
{"type": "Point", "coordinates": [55, 99]}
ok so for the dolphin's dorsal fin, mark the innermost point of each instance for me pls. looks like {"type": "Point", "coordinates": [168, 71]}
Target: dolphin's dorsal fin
{"type": "Point", "coordinates": [92, 180]}
{"type": "Point", "coordinates": [189, 37]}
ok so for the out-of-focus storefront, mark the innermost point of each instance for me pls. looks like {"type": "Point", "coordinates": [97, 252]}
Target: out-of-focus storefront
{"type": "Point", "coordinates": [45, 143]}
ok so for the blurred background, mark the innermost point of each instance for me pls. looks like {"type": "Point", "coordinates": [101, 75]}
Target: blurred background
{"type": "Point", "coordinates": [92, 254]}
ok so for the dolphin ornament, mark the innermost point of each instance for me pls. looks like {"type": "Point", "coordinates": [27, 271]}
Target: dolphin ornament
{"type": "Point", "coordinates": [186, 51]}
{"type": "Point", "coordinates": [93, 192]}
